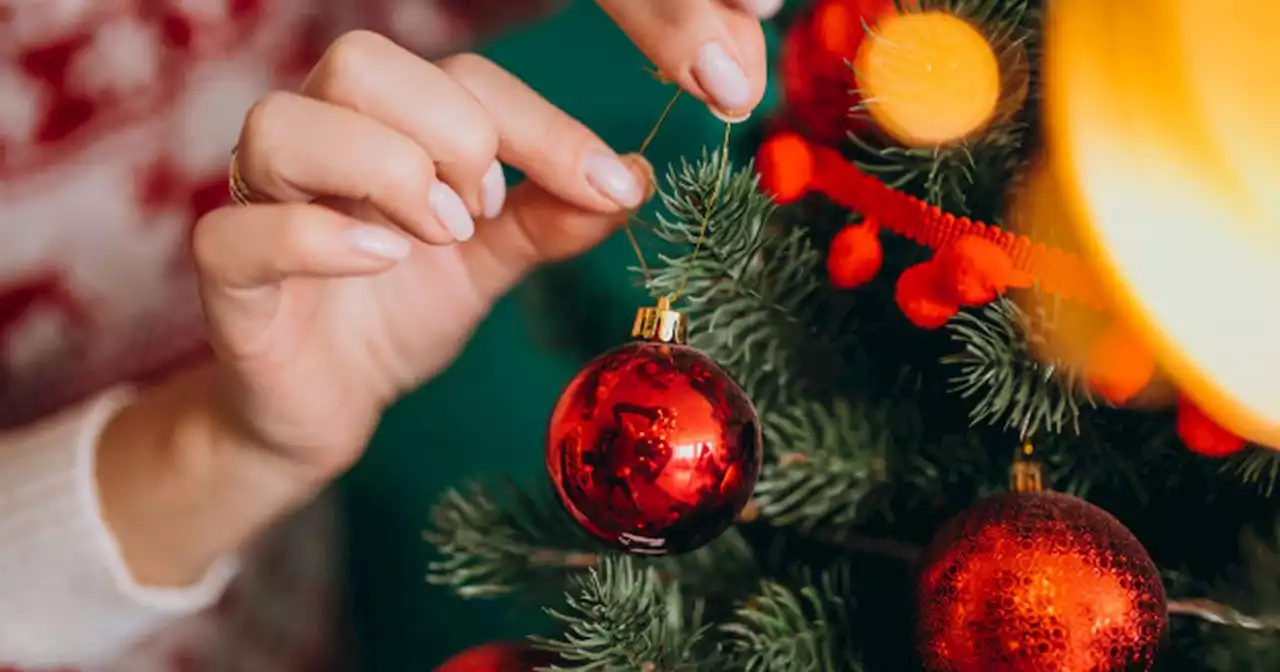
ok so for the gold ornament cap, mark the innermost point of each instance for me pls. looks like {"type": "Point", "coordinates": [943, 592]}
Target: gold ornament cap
{"type": "Point", "coordinates": [661, 324]}
{"type": "Point", "coordinates": [1026, 475]}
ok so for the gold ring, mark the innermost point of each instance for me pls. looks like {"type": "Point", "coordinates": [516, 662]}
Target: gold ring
{"type": "Point", "coordinates": [241, 192]}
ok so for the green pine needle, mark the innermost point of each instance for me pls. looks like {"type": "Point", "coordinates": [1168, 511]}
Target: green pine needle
{"type": "Point", "coordinates": [755, 294]}
{"type": "Point", "coordinates": [1001, 372]}
{"type": "Point", "coordinates": [495, 543]}
{"type": "Point", "coordinates": [1258, 467]}
{"type": "Point", "coordinates": [827, 461]}
{"type": "Point", "coordinates": [622, 617]}
{"type": "Point", "coordinates": [793, 630]}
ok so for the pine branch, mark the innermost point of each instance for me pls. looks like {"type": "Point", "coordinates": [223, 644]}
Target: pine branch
{"type": "Point", "coordinates": [621, 617]}
{"type": "Point", "coordinates": [756, 294]}
{"type": "Point", "coordinates": [1000, 369]}
{"type": "Point", "coordinates": [794, 630]}
{"type": "Point", "coordinates": [831, 459]}
{"type": "Point", "coordinates": [494, 544]}
{"type": "Point", "coordinates": [1236, 628]}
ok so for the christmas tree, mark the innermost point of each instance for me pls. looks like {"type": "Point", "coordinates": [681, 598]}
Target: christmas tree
{"type": "Point", "coordinates": [862, 283]}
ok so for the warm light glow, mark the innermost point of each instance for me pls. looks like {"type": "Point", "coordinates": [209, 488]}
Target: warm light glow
{"type": "Point", "coordinates": [1162, 130]}
{"type": "Point", "coordinates": [928, 78]}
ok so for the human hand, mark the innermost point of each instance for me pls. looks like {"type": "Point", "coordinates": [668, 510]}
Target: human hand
{"type": "Point", "coordinates": [386, 235]}
{"type": "Point", "coordinates": [713, 49]}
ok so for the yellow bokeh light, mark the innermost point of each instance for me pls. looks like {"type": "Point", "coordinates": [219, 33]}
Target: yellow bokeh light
{"type": "Point", "coordinates": [928, 78]}
{"type": "Point", "coordinates": [1162, 131]}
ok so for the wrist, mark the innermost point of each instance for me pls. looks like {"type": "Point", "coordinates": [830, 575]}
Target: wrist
{"type": "Point", "coordinates": [181, 484]}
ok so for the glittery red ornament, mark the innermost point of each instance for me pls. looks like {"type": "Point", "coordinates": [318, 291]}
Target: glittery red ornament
{"type": "Point", "coordinates": [498, 657]}
{"type": "Point", "coordinates": [652, 447]}
{"type": "Point", "coordinates": [1031, 582]}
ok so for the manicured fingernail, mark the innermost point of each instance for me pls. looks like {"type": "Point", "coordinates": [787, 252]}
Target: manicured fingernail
{"type": "Point", "coordinates": [732, 120]}
{"type": "Point", "coordinates": [452, 212]}
{"type": "Point", "coordinates": [764, 9]}
{"type": "Point", "coordinates": [722, 78]}
{"type": "Point", "coordinates": [493, 191]}
{"type": "Point", "coordinates": [611, 177]}
{"type": "Point", "coordinates": [378, 241]}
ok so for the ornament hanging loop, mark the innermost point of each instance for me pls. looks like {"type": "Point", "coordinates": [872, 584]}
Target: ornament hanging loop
{"type": "Point", "coordinates": [661, 324]}
{"type": "Point", "coordinates": [1026, 474]}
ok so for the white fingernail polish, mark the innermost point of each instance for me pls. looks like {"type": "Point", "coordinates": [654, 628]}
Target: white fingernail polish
{"type": "Point", "coordinates": [493, 191]}
{"type": "Point", "coordinates": [722, 78]}
{"type": "Point", "coordinates": [764, 9]}
{"type": "Point", "coordinates": [451, 211]}
{"type": "Point", "coordinates": [378, 241]}
{"type": "Point", "coordinates": [611, 177]}
{"type": "Point", "coordinates": [726, 118]}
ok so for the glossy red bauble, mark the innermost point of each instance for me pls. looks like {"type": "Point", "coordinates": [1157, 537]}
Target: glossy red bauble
{"type": "Point", "coordinates": [1038, 581]}
{"type": "Point", "coordinates": [653, 448]}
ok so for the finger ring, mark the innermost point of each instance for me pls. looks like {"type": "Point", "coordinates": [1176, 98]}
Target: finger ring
{"type": "Point", "coordinates": [241, 192]}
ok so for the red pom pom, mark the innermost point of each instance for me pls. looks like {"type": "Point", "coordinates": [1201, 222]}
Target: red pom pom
{"type": "Point", "coordinates": [785, 165]}
{"type": "Point", "coordinates": [919, 297]}
{"type": "Point", "coordinates": [1202, 435]}
{"type": "Point", "coordinates": [855, 255]}
{"type": "Point", "coordinates": [498, 657]}
{"type": "Point", "coordinates": [978, 270]}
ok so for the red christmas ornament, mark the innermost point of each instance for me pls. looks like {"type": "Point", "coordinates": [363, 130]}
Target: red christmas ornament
{"type": "Point", "coordinates": [855, 256]}
{"type": "Point", "coordinates": [1202, 435]}
{"type": "Point", "coordinates": [652, 447]}
{"type": "Point", "coordinates": [1028, 582]}
{"type": "Point", "coordinates": [817, 81]}
{"type": "Point", "coordinates": [498, 657]}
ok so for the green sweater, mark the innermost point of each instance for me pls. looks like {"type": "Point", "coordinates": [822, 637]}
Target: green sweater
{"type": "Point", "coordinates": [487, 414]}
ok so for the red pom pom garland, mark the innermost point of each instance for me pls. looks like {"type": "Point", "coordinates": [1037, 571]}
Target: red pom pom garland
{"type": "Point", "coordinates": [975, 263]}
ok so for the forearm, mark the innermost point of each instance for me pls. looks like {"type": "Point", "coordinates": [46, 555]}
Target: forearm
{"type": "Point", "coordinates": [181, 486]}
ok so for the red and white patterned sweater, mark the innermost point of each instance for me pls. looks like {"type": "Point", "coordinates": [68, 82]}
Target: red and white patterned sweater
{"type": "Point", "coordinates": [116, 122]}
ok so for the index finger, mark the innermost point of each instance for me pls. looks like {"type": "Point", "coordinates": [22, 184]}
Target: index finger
{"type": "Point", "coordinates": [713, 51]}
{"type": "Point", "coordinates": [552, 148]}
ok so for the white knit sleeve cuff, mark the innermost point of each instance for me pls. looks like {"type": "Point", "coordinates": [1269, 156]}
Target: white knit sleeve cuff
{"type": "Point", "coordinates": [62, 575]}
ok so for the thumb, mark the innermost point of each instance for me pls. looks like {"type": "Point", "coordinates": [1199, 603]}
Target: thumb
{"type": "Point", "coordinates": [537, 227]}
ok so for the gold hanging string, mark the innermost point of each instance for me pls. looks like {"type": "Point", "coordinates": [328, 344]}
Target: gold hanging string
{"type": "Point", "coordinates": [644, 146]}
{"type": "Point", "coordinates": [706, 214]}
{"type": "Point", "coordinates": [711, 202]}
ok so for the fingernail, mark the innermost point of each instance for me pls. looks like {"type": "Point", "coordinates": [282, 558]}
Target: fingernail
{"type": "Point", "coordinates": [378, 241]}
{"type": "Point", "coordinates": [764, 9]}
{"type": "Point", "coordinates": [452, 212]}
{"type": "Point", "coordinates": [611, 177]}
{"type": "Point", "coordinates": [722, 78]}
{"type": "Point", "coordinates": [732, 120]}
{"type": "Point", "coordinates": [493, 191]}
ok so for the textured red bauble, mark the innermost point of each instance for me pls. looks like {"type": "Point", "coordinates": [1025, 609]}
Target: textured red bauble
{"type": "Point", "coordinates": [1030, 582]}
{"type": "Point", "coordinates": [498, 657]}
{"type": "Point", "coordinates": [654, 448]}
